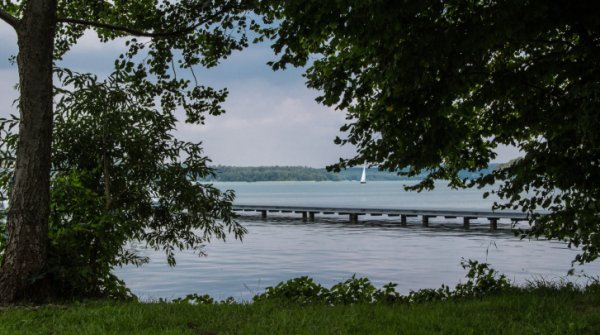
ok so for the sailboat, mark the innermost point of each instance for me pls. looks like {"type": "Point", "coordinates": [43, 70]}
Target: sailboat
{"type": "Point", "coordinates": [363, 178]}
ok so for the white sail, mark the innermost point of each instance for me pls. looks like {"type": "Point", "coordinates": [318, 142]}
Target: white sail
{"type": "Point", "coordinates": [363, 178]}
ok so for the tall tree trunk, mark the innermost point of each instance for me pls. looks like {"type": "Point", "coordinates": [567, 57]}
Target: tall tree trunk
{"type": "Point", "coordinates": [22, 273]}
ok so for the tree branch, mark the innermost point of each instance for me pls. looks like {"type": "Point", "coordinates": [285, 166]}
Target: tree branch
{"type": "Point", "coordinates": [140, 33]}
{"type": "Point", "coordinates": [130, 31]}
{"type": "Point", "coordinates": [6, 17]}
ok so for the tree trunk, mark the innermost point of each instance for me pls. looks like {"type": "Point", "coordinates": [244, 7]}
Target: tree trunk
{"type": "Point", "coordinates": [22, 273]}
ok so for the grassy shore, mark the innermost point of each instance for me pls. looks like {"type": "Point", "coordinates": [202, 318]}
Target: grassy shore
{"type": "Point", "coordinates": [531, 312]}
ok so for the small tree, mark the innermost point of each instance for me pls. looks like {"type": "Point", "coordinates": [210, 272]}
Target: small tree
{"type": "Point", "coordinates": [120, 175]}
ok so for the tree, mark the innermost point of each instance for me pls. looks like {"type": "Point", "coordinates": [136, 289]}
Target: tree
{"type": "Point", "coordinates": [438, 85]}
{"type": "Point", "coordinates": [119, 176]}
{"type": "Point", "coordinates": [202, 32]}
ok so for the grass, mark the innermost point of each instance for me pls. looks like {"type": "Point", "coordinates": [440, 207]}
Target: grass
{"type": "Point", "coordinates": [538, 311]}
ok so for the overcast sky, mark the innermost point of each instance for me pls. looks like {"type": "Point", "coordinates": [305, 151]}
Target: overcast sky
{"type": "Point", "coordinates": [271, 118]}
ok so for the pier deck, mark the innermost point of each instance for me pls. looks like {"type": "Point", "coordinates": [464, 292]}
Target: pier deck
{"type": "Point", "coordinates": [308, 213]}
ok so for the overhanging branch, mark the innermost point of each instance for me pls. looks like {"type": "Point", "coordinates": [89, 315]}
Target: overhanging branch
{"type": "Point", "coordinates": [6, 17]}
{"type": "Point", "coordinates": [128, 30]}
{"type": "Point", "coordinates": [140, 33]}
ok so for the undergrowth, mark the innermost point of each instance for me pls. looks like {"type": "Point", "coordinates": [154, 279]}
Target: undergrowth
{"type": "Point", "coordinates": [481, 280]}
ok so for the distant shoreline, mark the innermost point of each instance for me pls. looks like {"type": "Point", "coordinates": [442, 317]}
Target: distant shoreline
{"type": "Point", "coordinates": [303, 173]}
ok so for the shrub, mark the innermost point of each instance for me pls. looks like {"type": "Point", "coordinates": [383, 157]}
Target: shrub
{"type": "Point", "coordinates": [301, 290]}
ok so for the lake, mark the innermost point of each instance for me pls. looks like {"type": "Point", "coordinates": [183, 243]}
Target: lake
{"type": "Point", "coordinates": [332, 250]}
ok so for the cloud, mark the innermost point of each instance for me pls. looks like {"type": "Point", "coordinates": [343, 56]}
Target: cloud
{"type": "Point", "coordinates": [90, 43]}
{"type": "Point", "coordinates": [272, 118]}
{"type": "Point", "coordinates": [269, 124]}
{"type": "Point", "coordinates": [93, 56]}
{"type": "Point", "coordinates": [8, 41]}
{"type": "Point", "coordinates": [506, 153]}
{"type": "Point", "coordinates": [8, 94]}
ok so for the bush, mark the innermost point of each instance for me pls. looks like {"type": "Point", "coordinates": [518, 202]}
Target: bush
{"type": "Point", "coordinates": [482, 280]}
{"type": "Point", "coordinates": [301, 290]}
{"type": "Point", "coordinates": [205, 299]}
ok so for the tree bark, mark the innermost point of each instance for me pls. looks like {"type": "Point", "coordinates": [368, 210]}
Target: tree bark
{"type": "Point", "coordinates": [22, 275]}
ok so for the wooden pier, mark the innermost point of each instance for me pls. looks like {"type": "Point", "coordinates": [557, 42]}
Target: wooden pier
{"type": "Point", "coordinates": [308, 213]}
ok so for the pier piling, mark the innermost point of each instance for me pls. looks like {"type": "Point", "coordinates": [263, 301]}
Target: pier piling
{"type": "Point", "coordinates": [466, 222]}
{"type": "Point", "coordinates": [493, 223]}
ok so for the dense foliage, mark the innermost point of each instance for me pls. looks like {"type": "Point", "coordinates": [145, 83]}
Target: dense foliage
{"type": "Point", "coordinates": [120, 176]}
{"type": "Point", "coordinates": [115, 173]}
{"type": "Point", "coordinates": [439, 85]}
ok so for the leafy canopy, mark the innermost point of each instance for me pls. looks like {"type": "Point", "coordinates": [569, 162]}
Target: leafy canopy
{"type": "Point", "coordinates": [438, 85]}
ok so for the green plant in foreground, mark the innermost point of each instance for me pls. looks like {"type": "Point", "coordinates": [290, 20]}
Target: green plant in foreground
{"type": "Point", "coordinates": [481, 280]}
{"type": "Point", "coordinates": [301, 290]}
{"type": "Point", "coordinates": [204, 299]}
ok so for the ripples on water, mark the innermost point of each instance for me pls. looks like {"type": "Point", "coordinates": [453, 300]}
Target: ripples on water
{"type": "Point", "coordinates": [332, 250]}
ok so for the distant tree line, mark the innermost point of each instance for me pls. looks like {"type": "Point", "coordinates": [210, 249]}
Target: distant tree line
{"type": "Point", "coordinates": [303, 173]}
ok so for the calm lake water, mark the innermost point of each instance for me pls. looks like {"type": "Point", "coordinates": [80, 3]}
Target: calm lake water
{"type": "Point", "coordinates": [332, 250]}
